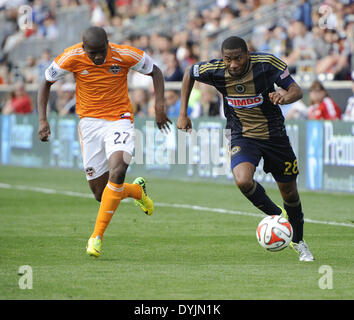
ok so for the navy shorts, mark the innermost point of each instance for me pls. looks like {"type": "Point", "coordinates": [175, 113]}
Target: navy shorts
{"type": "Point", "coordinates": [278, 155]}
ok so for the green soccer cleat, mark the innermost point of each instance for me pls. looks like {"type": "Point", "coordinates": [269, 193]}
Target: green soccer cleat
{"type": "Point", "coordinates": [293, 245]}
{"type": "Point", "coordinates": [145, 203]}
{"type": "Point", "coordinates": [283, 213]}
{"type": "Point", "coordinates": [94, 247]}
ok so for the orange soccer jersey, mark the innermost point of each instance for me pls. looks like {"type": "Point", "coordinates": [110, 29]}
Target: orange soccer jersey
{"type": "Point", "coordinates": [101, 90]}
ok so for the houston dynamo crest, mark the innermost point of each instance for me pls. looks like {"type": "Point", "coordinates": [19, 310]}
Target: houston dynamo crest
{"type": "Point", "coordinates": [114, 68]}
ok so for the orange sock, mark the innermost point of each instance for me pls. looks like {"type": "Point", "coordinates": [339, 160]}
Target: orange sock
{"type": "Point", "coordinates": [132, 190]}
{"type": "Point", "coordinates": [111, 197]}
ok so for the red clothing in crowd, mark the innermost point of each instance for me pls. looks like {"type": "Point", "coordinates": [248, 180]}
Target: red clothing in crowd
{"type": "Point", "coordinates": [21, 104]}
{"type": "Point", "coordinates": [327, 110]}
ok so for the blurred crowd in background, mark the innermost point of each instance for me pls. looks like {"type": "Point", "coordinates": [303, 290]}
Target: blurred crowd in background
{"type": "Point", "coordinates": [328, 42]}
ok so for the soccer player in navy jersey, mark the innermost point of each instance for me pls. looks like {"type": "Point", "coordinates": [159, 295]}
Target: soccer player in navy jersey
{"type": "Point", "coordinates": [251, 106]}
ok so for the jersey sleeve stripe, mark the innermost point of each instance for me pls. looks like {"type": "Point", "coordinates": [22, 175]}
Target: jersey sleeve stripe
{"type": "Point", "coordinates": [73, 51]}
{"type": "Point", "coordinates": [281, 67]}
{"type": "Point", "coordinates": [279, 62]}
{"type": "Point", "coordinates": [212, 68]}
{"type": "Point", "coordinates": [68, 55]}
{"type": "Point", "coordinates": [128, 52]}
{"type": "Point", "coordinates": [132, 56]}
{"type": "Point", "coordinates": [270, 59]}
{"type": "Point", "coordinates": [208, 66]}
{"type": "Point", "coordinates": [269, 56]}
{"type": "Point", "coordinates": [212, 64]}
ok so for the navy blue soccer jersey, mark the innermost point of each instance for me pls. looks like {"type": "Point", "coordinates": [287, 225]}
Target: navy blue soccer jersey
{"type": "Point", "coordinates": [247, 107]}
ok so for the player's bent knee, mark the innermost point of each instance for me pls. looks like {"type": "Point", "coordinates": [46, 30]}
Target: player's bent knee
{"type": "Point", "coordinates": [243, 181]}
{"type": "Point", "coordinates": [291, 196]}
{"type": "Point", "coordinates": [289, 192]}
{"type": "Point", "coordinates": [244, 184]}
{"type": "Point", "coordinates": [243, 174]}
{"type": "Point", "coordinates": [97, 185]}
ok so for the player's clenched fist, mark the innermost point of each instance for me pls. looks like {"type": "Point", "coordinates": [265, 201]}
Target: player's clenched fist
{"type": "Point", "coordinates": [184, 123]}
{"type": "Point", "coordinates": [276, 98]}
{"type": "Point", "coordinates": [43, 130]}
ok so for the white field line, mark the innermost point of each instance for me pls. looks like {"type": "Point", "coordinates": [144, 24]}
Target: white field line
{"type": "Point", "coordinates": [161, 204]}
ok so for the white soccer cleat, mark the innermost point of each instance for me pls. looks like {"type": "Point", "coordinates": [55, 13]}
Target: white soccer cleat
{"type": "Point", "coordinates": [303, 250]}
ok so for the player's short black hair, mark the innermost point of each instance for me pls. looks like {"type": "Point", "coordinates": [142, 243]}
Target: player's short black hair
{"type": "Point", "coordinates": [94, 36]}
{"type": "Point", "coordinates": [234, 42]}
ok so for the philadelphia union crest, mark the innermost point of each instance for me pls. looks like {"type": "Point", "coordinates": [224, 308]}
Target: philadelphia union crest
{"type": "Point", "coordinates": [235, 150]}
{"type": "Point", "coordinates": [240, 88]}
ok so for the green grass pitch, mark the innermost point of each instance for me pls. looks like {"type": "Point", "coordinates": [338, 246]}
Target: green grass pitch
{"type": "Point", "coordinates": [180, 252]}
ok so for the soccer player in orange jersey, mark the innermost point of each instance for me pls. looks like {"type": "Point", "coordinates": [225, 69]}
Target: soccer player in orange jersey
{"type": "Point", "coordinates": [106, 129]}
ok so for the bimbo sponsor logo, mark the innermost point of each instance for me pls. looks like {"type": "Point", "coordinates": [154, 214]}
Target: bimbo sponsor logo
{"type": "Point", "coordinates": [247, 102]}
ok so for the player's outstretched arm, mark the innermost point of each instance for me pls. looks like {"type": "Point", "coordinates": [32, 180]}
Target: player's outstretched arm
{"type": "Point", "coordinates": [162, 120]}
{"type": "Point", "coordinates": [184, 123]}
{"type": "Point", "coordinates": [294, 93]}
{"type": "Point", "coordinates": [42, 101]}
